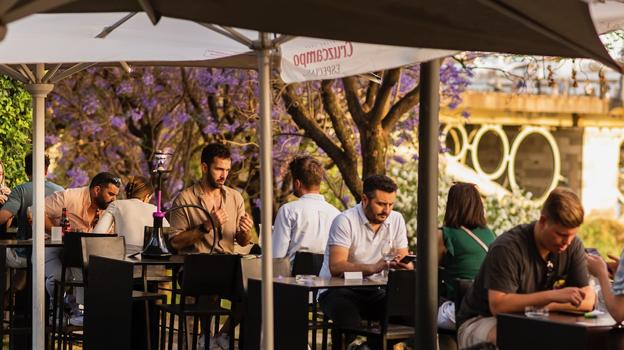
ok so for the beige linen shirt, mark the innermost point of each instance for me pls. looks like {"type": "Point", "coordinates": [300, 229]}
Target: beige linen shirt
{"type": "Point", "coordinates": [189, 219]}
{"type": "Point", "coordinates": [77, 202]}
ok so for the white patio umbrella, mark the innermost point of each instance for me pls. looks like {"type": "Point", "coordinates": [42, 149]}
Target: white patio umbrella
{"type": "Point", "coordinates": [513, 26]}
{"type": "Point", "coordinates": [93, 38]}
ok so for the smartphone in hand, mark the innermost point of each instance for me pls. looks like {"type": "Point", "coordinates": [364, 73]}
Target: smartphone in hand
{"type": "Point", "coordinates": [592, 251]}
{"type": "Point", "coordinates": [408, 259]}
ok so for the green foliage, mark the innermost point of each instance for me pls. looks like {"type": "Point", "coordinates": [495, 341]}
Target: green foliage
{"type": "Point", "coordinates": [501, 213]}
{"type": "Point", "coordinates": [15, 129]}
{"type": "Point", "coordinates": [606, 235]}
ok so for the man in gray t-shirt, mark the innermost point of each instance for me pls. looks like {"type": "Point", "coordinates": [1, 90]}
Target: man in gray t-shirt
{"type": "Point", "coordinates": [538, 264]}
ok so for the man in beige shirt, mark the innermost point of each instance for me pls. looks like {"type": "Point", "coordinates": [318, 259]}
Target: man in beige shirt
{"type": "Point", "coordinates": [83, 207]}
{"type": "Point", "coordinates": [193, 231]}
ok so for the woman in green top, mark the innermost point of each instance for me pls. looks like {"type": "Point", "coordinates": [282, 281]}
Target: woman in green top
{"type": "Point", "coordinates": [462, 244]}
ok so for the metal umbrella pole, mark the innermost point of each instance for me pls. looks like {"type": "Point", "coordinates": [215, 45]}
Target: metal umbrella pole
{"type": "Point", "coordinates": [427, 261]}
{"type": "Point", "coordinates": [39, 92]}
{"type": "Point", "coordinates": [263, 47]}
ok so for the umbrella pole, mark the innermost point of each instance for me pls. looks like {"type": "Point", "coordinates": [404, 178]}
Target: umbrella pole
{"type": "Point", "coordinates": [427, 261]}
{"type": "Point", "coordinates": [262, 48]}
{"type": "Point", "coordinates": [39, 92]}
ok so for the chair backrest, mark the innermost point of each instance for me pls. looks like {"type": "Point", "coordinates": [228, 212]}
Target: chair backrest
{"type": "Point", "coordinates": [108, 247]}
{"type": "Point", "coordinates": [400, 298]}
{"type": "Point", "coordinates": [72, 247]}
{"type": "Point", "coordinates": [252, 268]}
{"type": "Point", "coordinates": [461, 288]}
{"type": "Point", "coordinates": [307, 263]}
{"type": "Point", "coordinates": [212, 274]}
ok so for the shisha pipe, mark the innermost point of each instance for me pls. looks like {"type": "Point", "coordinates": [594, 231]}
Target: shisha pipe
{"type": "Point", "coordinates": [156, 248]}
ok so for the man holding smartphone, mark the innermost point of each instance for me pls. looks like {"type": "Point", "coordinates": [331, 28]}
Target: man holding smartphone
{"type": "Point", "coordinates": [355, 244]}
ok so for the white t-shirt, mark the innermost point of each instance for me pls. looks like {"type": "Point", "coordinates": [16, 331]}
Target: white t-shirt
{"type": "Point", "coordinates": [130, 217]}
{"type": "Point", "coordinates": [352, 230]}
{"type": "Point", "coordinates": [302, 225]}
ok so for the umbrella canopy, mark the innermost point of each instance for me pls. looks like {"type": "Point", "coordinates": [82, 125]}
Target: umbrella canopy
{"type": "Point", "coordinates": [512, 26]}
{"type": "Point", "coordinates": [115, 37]}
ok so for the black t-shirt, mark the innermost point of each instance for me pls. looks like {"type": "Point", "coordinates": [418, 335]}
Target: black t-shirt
{"type": "Point", "coordinates": [513, 265]}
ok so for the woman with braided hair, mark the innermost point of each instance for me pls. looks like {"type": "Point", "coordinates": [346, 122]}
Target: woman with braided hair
{"type": "Point", "coordinates": [130, 216]}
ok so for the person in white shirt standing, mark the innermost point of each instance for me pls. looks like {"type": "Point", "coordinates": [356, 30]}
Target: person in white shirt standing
{"type": "Point", "coordinates": [303, 224]}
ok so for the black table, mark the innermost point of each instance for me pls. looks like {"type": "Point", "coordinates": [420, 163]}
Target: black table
{"type": "Point", "coordinates": [557, 331]}
{"type": "Point", "coordinates": [108, 302]}
{"type": "Point", "coordinates": [290, 301]}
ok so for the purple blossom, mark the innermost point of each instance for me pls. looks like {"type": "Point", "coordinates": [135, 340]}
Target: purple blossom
{"type": "Point", "coordinates": [51, 140]}
{"type": "Point", "coordinates": [118, 122]}
{"type": "Point", "coordinates": [148, 78]}
{"type": "Point", "coordinates": [124, 88]}
{"type": "Point", "coordinates": [78, 177]}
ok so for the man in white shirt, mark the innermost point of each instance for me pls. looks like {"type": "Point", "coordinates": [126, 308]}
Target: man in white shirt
{"type": "Point", "coordinates": [303, 224]}
{"type": "Point", "coordinates": [355, 243]}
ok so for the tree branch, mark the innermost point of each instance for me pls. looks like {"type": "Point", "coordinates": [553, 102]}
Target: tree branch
{"type": "Point", "coordinates": [407, 102]}
{"type": "Point", "coordinates": [331, 106]}
{"type": "Point", "coordinates": [382, 101]}
{"type": "Point", "coordinates": [371, 93]}
{"type": "Point", "coordinates": [308, 124]}
{"type": "Point", "coordinates": [353, 101]}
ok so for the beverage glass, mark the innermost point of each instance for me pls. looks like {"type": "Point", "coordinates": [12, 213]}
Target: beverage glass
{"type": "Point", "coordinates": [535, 312]}
{"type": "Point", "coordinates": [387, 254]}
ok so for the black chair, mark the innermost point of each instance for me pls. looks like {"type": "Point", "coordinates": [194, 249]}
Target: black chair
{"type": "Point", "coordinates": [205, 275]}
{"type": "Point", "coordinates": [115, 248]}
{"type": "Point", "coordinates": [307, 263]}
{"type": "Point", "coordinates": [70, 258]}
{"type": "Point", "coordinates": [397, 323]}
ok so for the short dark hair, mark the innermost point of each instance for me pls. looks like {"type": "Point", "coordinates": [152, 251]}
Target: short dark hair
{"type": "Point", "coordinates": [378, 183]}
{"type": "Point", "coordinates": [307, 170]}
{"type": "Point", "coordinates": [105, 178]}
{"type": "Point", "coordinates": [28, 160]}
{"type": "Point", "coordinates": [214, 150]}
{"type": "Point", "coordinates": [464, 207]}
{"type": "Point", "coordinates": [563, 207]}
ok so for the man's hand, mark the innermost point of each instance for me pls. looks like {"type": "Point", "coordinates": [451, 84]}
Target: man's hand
{"type": "Point", "coordinates": [243, 236]}
{"type": "Point", "coordinates": [398, 265]}
{"type": "Point", "coordinates": [220, 217]}
{"type": "Point", "coordinates": [377, 267]}
{"type": "Point", "coordinates": [596, 266]}
{"type": "Point", "coordinates": [613, 264]}
{"type": "Point", "coordinates": [572, 295]}
{"type": "Point", "coordinates": [3, 199]}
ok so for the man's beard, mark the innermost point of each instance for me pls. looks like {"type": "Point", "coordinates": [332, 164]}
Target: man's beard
{"type": "Point", "coordinates": [372, 218]}
{"type": "Point", "coordinates": [212, 182]}
{"type": "Point", "coordinates": [101, 203]}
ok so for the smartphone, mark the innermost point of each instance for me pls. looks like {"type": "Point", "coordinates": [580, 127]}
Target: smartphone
{"type": "Point", "coordinates": [592, 251]}
{"type": "Point", "coordinates": [408, 259]}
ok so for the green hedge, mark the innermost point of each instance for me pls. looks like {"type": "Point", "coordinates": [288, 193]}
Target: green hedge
{"type": "Point", "coordinates": [15, 129]}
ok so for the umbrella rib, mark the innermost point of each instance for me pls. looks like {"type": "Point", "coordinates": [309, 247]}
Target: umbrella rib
{"type": "Point", "coordinates": [107, 30]}
{"type": "Point", "coordinates": [49, 74]}
{"type": "Point", "coordinates": [153, 15]}
{"type": "Point", "coordinates": [230, 33]}
{"type": "Point", "coordinates": [27, 73]}
{"type": "Point", "coordinates": [72, 70]}
{"type": "Point", "coordinates": [6, 69]}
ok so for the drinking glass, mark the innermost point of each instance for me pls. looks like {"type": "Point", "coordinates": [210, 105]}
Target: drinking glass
{"type": "Point", "coordinates": [388, 254]}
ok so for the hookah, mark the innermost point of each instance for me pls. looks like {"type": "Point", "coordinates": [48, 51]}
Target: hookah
{"type": "Point", "coordinates": [156, 247]}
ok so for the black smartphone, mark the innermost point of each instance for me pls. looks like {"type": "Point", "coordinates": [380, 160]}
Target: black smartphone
{"type": "Point", "coordinates": [408, 259]}
{"type": "Point", "coordinates": [592, 251]}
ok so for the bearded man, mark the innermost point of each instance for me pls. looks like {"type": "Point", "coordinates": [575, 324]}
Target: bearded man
{"type": "Point", "coordinates": [356, 240]}
{"type": "Point", "coordinates": [193, 230]}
